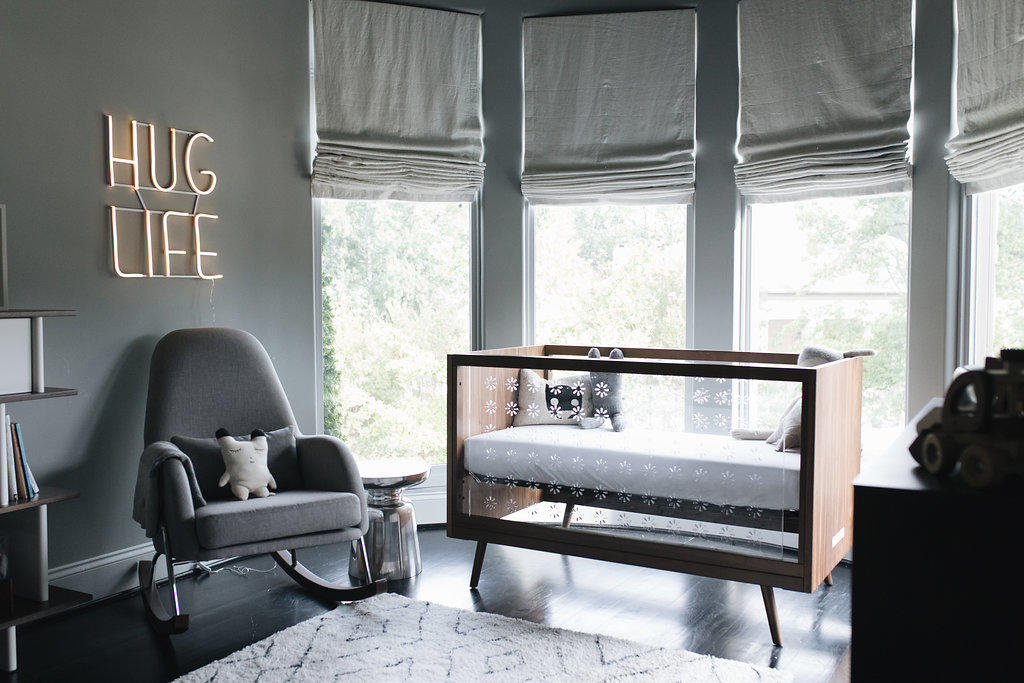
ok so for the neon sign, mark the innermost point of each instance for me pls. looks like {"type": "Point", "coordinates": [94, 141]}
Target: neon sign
{"type": "Point", "coordinates": [200, 183]}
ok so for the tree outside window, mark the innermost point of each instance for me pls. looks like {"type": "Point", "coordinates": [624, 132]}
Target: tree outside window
{"type": "Point", "coordinates": [396, 301]}
{"type": "Point", "coordinates": [834, 272]}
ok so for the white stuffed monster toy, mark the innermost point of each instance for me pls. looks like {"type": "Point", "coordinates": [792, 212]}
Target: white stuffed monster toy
{"type": "Point", "coordinates": [245, 464]}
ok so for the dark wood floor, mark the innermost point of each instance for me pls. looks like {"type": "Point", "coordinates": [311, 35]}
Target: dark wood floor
{"type": "Point", "coordinates": [111, 640]}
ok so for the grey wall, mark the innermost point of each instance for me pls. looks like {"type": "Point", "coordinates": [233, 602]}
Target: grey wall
{"type": "Point", "coordinates": [234, 69]}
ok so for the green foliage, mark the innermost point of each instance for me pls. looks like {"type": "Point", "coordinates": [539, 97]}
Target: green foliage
{"type": "Point", "coordinates": [1008, 307]}
{"type": "Point", "coordinates": [332, 377]}
{"type": "Point", "coordinates": [397, 300]}
{"type": "Point", "coordinates": [853, 245]}
{"type": "Point", "coordinates": [610, 275]}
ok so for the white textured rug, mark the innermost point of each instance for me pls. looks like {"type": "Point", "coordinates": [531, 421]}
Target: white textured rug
{"type": "Point", "coordinates": [392, 638]}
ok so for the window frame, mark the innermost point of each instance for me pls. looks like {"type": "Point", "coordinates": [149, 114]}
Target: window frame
{"type": "Point", "coordinates": [975, 247]}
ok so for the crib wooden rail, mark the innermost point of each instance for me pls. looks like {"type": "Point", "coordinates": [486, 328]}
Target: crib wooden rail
{"type": "Point", "coordinates": [829, 459]}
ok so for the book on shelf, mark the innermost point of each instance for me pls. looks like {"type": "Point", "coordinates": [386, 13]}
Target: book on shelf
{"type": "Point", "coordinates": [22, 484]}
{"type": "Point", "coordinates": [19, 468]}
{"type": "Point", "coordinates": [12, 479]}
{"type": "Point", "coordinates": [5, 494]}
{"type": "Point", "coordinates": [30, 481]}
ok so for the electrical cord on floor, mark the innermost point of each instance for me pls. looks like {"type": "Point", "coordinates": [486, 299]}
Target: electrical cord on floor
{"type": "Point", "coordinates": [238, 570]}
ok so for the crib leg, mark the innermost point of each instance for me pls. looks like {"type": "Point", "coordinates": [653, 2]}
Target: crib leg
{"type": "Point", "coordinates": [567, 517]}
{"type": "Point", "coordinates": [828, 579]}
{"type": "Point", "coordinates": [478, 563]}
{"type": "Point", "coordinates": [768, 594]}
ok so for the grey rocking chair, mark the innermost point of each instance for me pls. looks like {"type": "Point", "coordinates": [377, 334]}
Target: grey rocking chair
{"type": "Point", "coordinates": [202, 379]}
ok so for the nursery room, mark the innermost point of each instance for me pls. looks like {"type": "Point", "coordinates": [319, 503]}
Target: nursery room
{"type": "Point", "coordinates": [574, 340]}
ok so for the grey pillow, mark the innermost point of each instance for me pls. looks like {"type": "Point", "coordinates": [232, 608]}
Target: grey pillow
{"type": "Point", "coordinates": [562, 400]}
{"type": "Point", "coordinates": [208, 463]}
{"type": "Point", "coordinates": [786, 436]}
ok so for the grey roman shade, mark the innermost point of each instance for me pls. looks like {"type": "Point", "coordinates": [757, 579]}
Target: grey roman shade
{"type": "Point", "coordinates": [609, 108]}
{"type": "Point", "coordinates": [397, 102]}
{"type": "Point", "coordinates": [988, 151]}
{"type": "Point", "coordinates": [824, 98]}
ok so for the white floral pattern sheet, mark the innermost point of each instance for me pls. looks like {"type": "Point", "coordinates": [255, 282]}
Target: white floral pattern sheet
{"type": "Point", "coordinates": [640, 465]}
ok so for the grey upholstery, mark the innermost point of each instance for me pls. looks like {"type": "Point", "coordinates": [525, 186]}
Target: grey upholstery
{"type": "Point", "coordinates": [206, 378]}
{"type": "Point", "coordinates": [203, 379]}
{"type": "Point", "coordinates": [292, 513]}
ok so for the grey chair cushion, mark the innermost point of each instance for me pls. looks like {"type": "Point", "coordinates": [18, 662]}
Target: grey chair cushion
{"type": "Point", "coordinates": [292, 513]}
{"type": "Point", "coordinates": [282, 459]}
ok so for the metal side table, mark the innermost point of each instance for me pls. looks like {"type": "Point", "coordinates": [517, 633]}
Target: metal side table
{"type": "Point", "coordinates": [391, 541]}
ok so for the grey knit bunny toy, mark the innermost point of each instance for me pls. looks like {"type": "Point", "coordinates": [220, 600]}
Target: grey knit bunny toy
{"type": "Point", "coordinates": [607, 388]}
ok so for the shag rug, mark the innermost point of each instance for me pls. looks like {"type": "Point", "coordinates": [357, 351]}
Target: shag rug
{"type": "Point", "coordinates": [392, 638]}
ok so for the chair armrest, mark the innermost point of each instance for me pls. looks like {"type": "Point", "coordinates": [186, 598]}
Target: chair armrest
{"type": "Point", "coordinates": [179, 513]}
{"type": "Point", "coordinates": [326, 464]}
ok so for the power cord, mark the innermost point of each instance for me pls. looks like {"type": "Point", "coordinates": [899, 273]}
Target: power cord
{"type": "Point", "coordinates": [237, 569]}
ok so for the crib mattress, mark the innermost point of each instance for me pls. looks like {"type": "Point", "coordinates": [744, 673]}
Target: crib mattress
{"type": "Point", "coordinates": [715, 469]}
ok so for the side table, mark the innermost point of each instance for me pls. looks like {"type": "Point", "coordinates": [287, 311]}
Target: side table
{"type": "Point", "coordinates": [391, 541]}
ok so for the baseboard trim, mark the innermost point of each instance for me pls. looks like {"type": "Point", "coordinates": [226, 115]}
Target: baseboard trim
{"type": "Point", "coordinates": [106, 574]}
{"type": "Point", "coordinates": [430, 504]}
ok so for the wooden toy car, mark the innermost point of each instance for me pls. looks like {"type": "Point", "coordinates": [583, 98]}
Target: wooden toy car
{"type": "Point", "coordinates": [980, 424]}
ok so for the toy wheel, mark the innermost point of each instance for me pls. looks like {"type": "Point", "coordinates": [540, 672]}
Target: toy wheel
{"type": "Point", "coordinates": [981, 467]}
{"type": "Point", "coordinates": [938, 455]}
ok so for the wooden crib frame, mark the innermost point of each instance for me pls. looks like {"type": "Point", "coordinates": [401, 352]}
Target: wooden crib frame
{"type": "Point", "coordinates": [829, 461]}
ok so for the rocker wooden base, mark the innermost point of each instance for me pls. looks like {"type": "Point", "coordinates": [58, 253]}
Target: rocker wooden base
{"type": "Point", "coordinates": [163, 623]}
{"type": "Point", "coordinates": [326, 589]}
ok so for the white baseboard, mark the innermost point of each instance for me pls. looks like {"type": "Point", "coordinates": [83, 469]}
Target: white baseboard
{"type": "Point", "coordinates": [430, 505]}
{"type": "Point", "coordinates": [106, 574]}
{"type": "Point", "coordinates": [429, 498]}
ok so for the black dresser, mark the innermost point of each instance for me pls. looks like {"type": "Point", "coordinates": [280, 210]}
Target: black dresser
{"type": "Point", "coordinates": [937, 586]}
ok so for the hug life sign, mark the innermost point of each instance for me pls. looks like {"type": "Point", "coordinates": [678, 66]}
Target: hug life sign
{"type": "Point", "coordinates": [164, 233]}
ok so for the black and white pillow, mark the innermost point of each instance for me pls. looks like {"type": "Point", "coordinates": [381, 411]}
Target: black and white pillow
{"type": "Point", "coordinates": [558, 401]}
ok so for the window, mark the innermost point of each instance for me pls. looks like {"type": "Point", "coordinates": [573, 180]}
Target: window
{"type": "Point", "coordinates": [396, 301]}
{"type": "Point", "coordinates": [610, 275]}
{"type": "Point", "coordinates": [996, 274]}
{"type": "Point", "coordinates": [831, 272]}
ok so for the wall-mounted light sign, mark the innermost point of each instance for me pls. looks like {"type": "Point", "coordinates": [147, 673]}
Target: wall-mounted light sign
{"type": "Point", "coordinates": [200, 183]}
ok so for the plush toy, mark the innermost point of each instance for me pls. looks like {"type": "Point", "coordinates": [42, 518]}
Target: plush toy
{"type": "Point", "coordinates": [245, 464]}
{"type": "Point", "coordinates": [607, 388]}
{"type": "Point", "coordinates": [786, 436]}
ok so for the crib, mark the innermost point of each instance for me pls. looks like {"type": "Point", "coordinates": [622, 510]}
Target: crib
{"type": "Point", "coordinates": [680, 494]}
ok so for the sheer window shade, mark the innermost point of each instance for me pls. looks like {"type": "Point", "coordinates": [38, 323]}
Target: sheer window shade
{"type": "Point", "coordinates": [397, 102]}
{"type": "Point", "coordinates": [609, 108]}
{"type": "Point", "coordinates": [824, 98]}
{"type": "Point", "coordinates": [988, 151]}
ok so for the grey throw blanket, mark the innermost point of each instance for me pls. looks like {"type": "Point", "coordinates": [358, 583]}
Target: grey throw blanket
{"type": "Point", "coordinates": [146, 510]}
